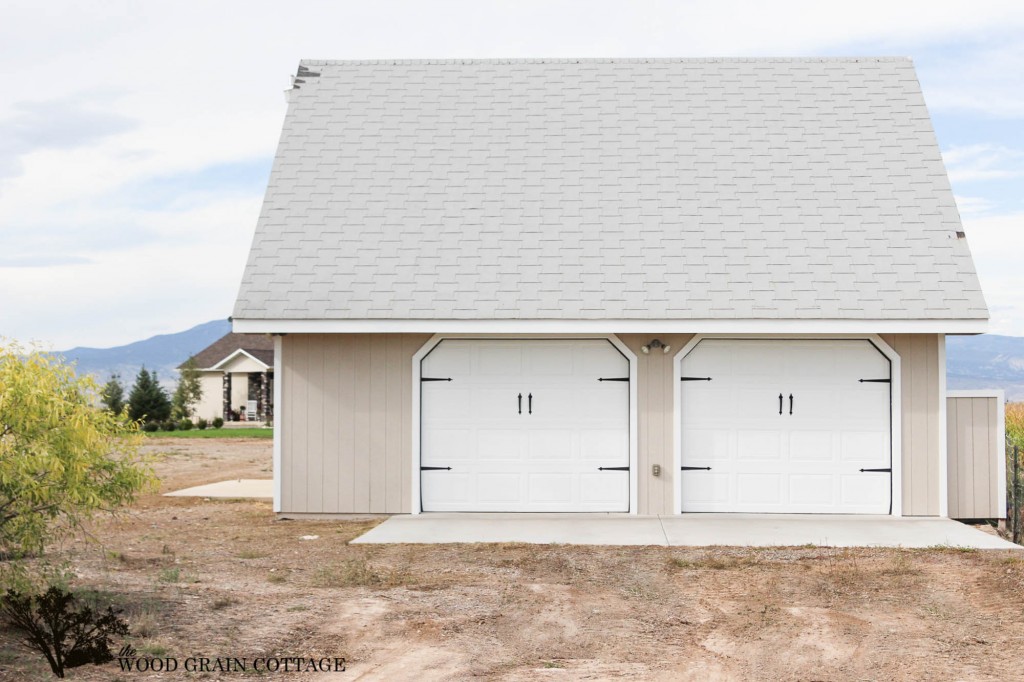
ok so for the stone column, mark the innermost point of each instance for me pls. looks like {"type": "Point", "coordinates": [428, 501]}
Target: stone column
{"type": "Point", "coordinates": [227, 396]}
{"type": "Point", "coordinates": [259, 394]}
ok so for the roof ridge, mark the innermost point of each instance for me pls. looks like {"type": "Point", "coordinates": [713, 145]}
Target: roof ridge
{"type": "Point", "coordinates": [597, 60]}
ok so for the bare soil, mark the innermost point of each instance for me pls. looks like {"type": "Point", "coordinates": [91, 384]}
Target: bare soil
{"type": "Point", "coordinates": [225, 578]}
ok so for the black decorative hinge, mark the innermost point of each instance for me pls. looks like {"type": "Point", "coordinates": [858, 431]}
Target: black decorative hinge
{"type": "Point", "coordinates": [613, 468]}
{"type": "Point", "coordinates": [614, 379]}
{"type": "Point", "coordinates": [695, 378]}
{"type": "Point", "coordinates": [435, 468]}
{"type": "Point", "coordinates": [695, 468]}
{"type": "Point", "coordinates": [886, 471]}
{"type": "Point", "coordinates": [435, 378]}
{"type": "Point", "coordinates": [875, 381]}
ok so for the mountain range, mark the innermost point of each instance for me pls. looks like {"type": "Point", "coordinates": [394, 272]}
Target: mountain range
{"type": "Point", "coordinates": [986, 361]}
{"type": "Point", "coordinates": [162, 353]}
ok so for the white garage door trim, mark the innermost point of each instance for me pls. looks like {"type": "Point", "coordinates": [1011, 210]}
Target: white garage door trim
{"type": "Point", "coordinates": [895, 421]}
{"type": "Point", "coordinates": [416, 502]}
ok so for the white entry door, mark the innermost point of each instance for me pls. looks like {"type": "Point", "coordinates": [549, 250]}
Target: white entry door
{"type": "Point", "coordinates": [786, 426]}
{"type": "Point", "coordinates": [525, 425]}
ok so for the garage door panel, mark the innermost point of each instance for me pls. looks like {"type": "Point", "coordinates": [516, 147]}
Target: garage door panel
{"type": "Point", "coordinates": [446, 444]}
{"type": "Point", "coordinates": [446, 487]}
{"type": "Point", "coordinates": [812, 446]}
{"type": "Point", "coordinates": [550, 488]}
{"type": "Point", "coordinates": [758, 445]}
{"type": "Point", "coordinates": [609, 446]}
{"type": "Point", "coordinates": [507, 460]}
{"type": "Point", "coordinates": [701, 446]}
{"type": "Point", "coordinates": [707, 490]}
{"type": "Point", "coordinates": [497, 360]}
{"type": "Point", "coordinates": [492, 444]}
{"type": "Point", "coordinates": [550, 445]}
{"type": "Point", "coordinates": [498, 487]}
{"type": "Point", "coordinates": [604, 487]}
{"type": "Point", "coordinates": [786, 462]}
{"type": "Point", "coordinates": [760, 488]}
{"type": "Point", "coordinates": [811, 489]}
{"type": "Point", "coordinates": [868, 448]}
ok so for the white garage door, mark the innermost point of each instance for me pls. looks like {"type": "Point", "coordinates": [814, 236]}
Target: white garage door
{"type": "Point", "coordinates": [786, 426]}
{"type": "Point", "coordinates": [525, 425]}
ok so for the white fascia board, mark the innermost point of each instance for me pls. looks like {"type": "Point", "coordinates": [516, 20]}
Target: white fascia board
{"type": "Point", "coordinates": [232, 356]}
{"type": "Point", "coordinates": [706, 326]}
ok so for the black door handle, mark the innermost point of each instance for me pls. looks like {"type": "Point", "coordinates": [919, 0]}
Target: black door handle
{"type": "Point", "coordinates": [520, 403]}
{"type": "Point", "coordinates": [791, 403]}
{"type": "Point", "coordinates": [780, 403]}
{"type": "Point", "coordinates": [529, 400]}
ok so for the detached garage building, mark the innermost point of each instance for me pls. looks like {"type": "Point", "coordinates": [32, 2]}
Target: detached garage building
{"type": "Point", "coordinates": [649, 286]}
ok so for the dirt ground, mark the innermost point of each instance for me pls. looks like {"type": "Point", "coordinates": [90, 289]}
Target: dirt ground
{"type": "Point", "coordinates": [224, 578]}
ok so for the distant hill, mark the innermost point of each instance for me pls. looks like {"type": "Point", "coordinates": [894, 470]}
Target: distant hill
{"type": "Point", "coordinates": [986, 361]}
{"type": "Point", "coordinates": [162, 353]}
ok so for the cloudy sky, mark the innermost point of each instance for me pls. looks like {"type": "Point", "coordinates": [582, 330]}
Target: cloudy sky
{"type": "Point", "coordinates": [136, 138]}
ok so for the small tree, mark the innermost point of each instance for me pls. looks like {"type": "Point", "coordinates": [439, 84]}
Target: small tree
{"type": "Point", "coordinates": [112, 394]}
{"type": "Point", "coordinates": [67, 634]}
{"type": "Point", "coordinates": [188, 392]}
{"type": "Point", "coordinates": [148, 400]}
{"type": "Point", "coordinates": [61, 459]}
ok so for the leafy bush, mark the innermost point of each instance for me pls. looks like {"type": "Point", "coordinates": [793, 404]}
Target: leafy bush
{"type": "Point", "coordinates": [201, 424]}
{"type": "Point", "coordinates": [169, 425]}
{"type": "Point", "coordinates": [150, 427]}
{"type": "Point", "coordinates": [218, 423]}
{"type": "Point", "coordinates": [68, 635]}
{"type": "Point", "coordinates": [1015, 423]}
{"type": "Point", "coordinates": [61, 459]}
{"type": "Point", "coordinates": [185, 425]}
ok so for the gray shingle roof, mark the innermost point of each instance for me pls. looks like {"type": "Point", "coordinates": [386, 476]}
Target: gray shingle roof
{"type": "Point", "coordinates": [609, 189]}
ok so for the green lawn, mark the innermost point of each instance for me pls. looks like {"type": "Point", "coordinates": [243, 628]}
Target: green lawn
{"type": "Point", "coordinates": [214, 433]}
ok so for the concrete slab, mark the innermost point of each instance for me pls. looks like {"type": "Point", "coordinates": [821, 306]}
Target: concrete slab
{"type": "Point", "coordinates": [243, 487]}
{"type": "Point", "coordinates": [688, 530]}
{"type": "Point", "coordinates": [769, 530]}
{"type": "Point", "coordinates": [573, 529]}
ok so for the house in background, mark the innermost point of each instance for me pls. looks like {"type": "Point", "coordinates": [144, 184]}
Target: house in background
{"type": "Point", "coordinates": [237, 378]}
{"type": "Point", "coordinates": [653, 286]}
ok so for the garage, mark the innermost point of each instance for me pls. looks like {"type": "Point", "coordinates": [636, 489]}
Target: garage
{"type": "Point", "coordinates": [525, 425]}
{"type": "Point", "coordinates": [786, 426]}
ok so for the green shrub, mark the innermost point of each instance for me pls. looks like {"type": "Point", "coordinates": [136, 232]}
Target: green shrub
{"type": "Point", "coordinates": [169, 426]}
{"type": "Point", "coordinates": [185, 425]}
{"type": "Point", "coordinates": [218, 423]}
{"type": "Point", "coordinates": [151, 427]}
{"type": "Point", "coordinates": [201, 424]}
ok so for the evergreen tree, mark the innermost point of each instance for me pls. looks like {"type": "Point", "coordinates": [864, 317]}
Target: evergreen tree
{"type": "Point", "coordinates": [148, 400]}
{"type": "Point", "coordinates": [112, 394]}
{"type": "Point", "coordinates": [188, 392]}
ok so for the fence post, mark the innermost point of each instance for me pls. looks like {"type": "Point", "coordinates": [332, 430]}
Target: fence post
{"type": "Point", "coordinates": [1016, 495]}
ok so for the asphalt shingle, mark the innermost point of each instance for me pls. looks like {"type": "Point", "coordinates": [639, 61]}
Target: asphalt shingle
{"type": "Point", "coordinates": [609, 189]}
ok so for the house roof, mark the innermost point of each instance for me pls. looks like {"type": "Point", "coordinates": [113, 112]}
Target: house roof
{"type": "Point", "coordinates": [260, 346]}
{"type": "Point", "coordinates": [618, 189]}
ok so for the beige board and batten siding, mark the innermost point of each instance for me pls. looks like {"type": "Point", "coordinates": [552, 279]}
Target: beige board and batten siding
{"type": "Point", "coordinates": [922, 427]}
{"type": "Point", "coordinates": [975, 448]}
{"type": "Point", "coordinates": [656, 415]}
{"type": "Point", "coordinates": [346, 441]}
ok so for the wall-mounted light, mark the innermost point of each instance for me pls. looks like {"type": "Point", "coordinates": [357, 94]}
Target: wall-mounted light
{"type": "Point", "coordinates": [655, 344]}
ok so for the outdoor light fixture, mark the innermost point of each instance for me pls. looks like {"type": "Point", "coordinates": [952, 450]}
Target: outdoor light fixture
{"type": "Point", "coordinates": [655, 344]}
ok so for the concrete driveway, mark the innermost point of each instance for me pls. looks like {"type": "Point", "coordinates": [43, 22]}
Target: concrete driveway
{"type": "Point", "coordinates": [687, 530]}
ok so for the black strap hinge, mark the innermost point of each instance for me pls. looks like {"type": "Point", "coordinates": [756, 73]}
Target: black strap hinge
{"type": "Point", "coordinates": [613, 468]}
{"type": "Point", "coordinates": [875, 381]}
{"type": "Point", "coordinates": [435, 468]}
{"type": "Point", "coordinates": [695, 378]}
{"type": "Point", "coordinates": [887, 471]}
{"type": "Point", "coordinates": [695, 468]}
{"type": "Point", "coordinates": [614, 379]}
{"type": "Point", "coordinates": [435, 378]}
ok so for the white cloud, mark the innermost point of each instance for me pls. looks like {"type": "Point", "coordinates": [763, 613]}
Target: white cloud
{"type": "Point", "coordinates": [996, 243]}
{"type": "Point", "coordinates": [983, 162]}
{"type": "Point", "coordinates": [137, 93]}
